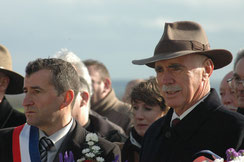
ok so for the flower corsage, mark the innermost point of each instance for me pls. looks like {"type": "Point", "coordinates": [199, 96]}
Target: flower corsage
{"type": "Point", "coordinates": [92, 151]}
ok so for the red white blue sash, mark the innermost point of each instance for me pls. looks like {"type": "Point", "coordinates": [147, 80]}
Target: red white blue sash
{"type": "Point", "coordinates": [25, 144]}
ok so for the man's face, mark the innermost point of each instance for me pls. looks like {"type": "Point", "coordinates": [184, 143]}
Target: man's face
{"type": "Point", "coordinates": [97, 85]}
{"type": "Point", "coordinates": [41, 102]}
{"type": "Point", "coordinates": [227, 93]}
{"type": "Point", "coordinates": [239, 74]}
{"type": "Point", "coordinates": [180, 81]}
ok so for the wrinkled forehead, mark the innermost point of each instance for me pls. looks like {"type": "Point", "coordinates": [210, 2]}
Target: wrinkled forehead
{"type": "Point", "coordinates": [187, 60]}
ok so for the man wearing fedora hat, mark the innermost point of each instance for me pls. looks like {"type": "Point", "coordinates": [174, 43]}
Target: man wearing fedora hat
{"type": "Point", "coordinates": [184, 62]}
{"type": "Point", "coordinates": [10, 83]}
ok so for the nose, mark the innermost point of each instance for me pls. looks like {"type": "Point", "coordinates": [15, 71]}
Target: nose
{"type": "Point", "coordinates": [227, 100]}
{"type": "Point", "coordinates": [27, 100]}
{"type": "Point", "coordinates": [165, 79]}
{"type": "Point", "coordinates": [138, 115]}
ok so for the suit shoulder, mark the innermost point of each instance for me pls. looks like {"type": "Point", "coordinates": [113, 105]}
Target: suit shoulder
{"type": "Point", "coordinates": [155, 128]}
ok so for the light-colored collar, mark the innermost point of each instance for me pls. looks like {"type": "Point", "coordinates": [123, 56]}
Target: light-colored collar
{"type": "Point", "coordinates": [174, 116]}
{"type": "Point", "coordinates": [58, 136]}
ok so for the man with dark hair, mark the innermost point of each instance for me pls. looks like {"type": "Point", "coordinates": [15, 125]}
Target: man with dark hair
{"type": "Point", "coordinates": [104, 100]}
{"type": "Point", "coordinates": [238, 80]}
{"type": "Point", "coordinates": [197, 120]}
{"type": "Point", "coordinates": [10, 83]}
{"type": "Point", "coordinates": [50, 87]}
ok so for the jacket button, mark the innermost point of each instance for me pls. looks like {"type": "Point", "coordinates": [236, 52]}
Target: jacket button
{"type": "Point", "coordinates": [168, 134]}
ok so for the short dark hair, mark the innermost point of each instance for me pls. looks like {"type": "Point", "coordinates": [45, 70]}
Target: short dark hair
{"type": "Point", "coordinates": [240, 55]}
{"type": "Point", "coordinates": [148, 92]}
{"type": "Point", "coordinates": [100, 67]}
{"type": "Point", "coordinates": [64, 75]}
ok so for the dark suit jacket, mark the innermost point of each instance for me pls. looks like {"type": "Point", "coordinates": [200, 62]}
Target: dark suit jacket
{"type": "Point", "coordinates": [103, 127]}
{"type": "Point", "coordinates": [74, 141]}
{"type": "Point", "coordinates": [9, 117]}
{"type": "Point", "coordinates": [209, 126]}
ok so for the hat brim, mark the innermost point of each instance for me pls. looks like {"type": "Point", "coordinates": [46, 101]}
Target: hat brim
{"type": "Point", "coordinates": [16, 83]}
{"type": "Point", "coordinates": [220, 57]}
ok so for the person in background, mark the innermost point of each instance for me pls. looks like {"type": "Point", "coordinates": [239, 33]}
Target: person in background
{"type": "Point", "coordinates": [10, 83]}
{"type": "Point", "coordinates": [197, 120]}
{"type": "Point", "coordinates": [89, 119]}
{"type": "Point", "coordinates": [227, 93]}
{"type": "Point", "coordinates": [238, 80]}
{"type": "Point", "coordinates": [128, 88]}
{"type": "Point", "coordinates": [147, 106]}
{"type": "Point", "coordinates": [50, 86]}
{"type": "Point", "coordinates": [104, 100]}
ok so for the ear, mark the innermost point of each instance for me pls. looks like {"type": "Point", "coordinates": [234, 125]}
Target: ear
{"type": "Point", "coordinates": [208, 68]}
{"type": "Point", "coordinates": [68, 98]}
{"type": "Point", "coordinates": [107, 84]}
{"type": "Point", "coordinates": [85, 98]}
{"type": "Point", "coordinates": [4, 83]}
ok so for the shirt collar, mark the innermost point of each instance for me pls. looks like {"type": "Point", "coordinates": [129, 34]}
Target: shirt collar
{"type": "Point", "coordinates": [174, 116]}
{"type": "Point", "coordinates": [58, 136]}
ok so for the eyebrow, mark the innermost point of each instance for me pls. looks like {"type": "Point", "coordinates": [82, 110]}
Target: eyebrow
{"type": "Point", "coordinates": [175, 65]}
{"type": "Point", "coordinates": [35, 88]}
{"type": "Point", "coordinates": [236, 75]}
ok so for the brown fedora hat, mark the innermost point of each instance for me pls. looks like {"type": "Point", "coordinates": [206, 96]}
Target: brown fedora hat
{"type": "Point", "coordinates": [16, 80]}
{"type": "Point", "coordinates": [183, 38]}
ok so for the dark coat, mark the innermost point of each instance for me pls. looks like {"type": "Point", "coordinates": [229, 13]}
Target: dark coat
{"type": "Point", "coordinates": [74, 141]}
{"type": "Point", "coordinates": [115, 110]}
{"type": "Point", "coordinates": [209, 126]}
{"type": "Point", "coordinates": [130, 152]}
{"type": "Point", "coordinates": [103, 127]}
{"type": "Point", "coordinates": [9, 117]}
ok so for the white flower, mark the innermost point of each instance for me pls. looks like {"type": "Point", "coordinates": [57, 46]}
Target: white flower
{"type": "Point", "coordinates": [90, 143]}
{"type": "Point", "coordinates": [92, 151]}
{"type": "Point", "coordinates": [81, 159]}
{"type": "Point", "coordinates": [238, 159]}
{"type": "Point", "coordinates": [90, 155]}
{"type": "Point", "coordinates": [100, 159]}
{"type": "Point", "coordinates": [219, 160]}
{"type": "Point", "coordinates": [84, 151]}
{"type": "Point", "coordinates": [96, 148]}
{"type": "Point", "coordinates": [92, 137]}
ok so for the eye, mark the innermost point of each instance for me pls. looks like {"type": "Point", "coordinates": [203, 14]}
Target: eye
{"type": "Point", "coordinates": [221, 93]}
{"type": "Point", "coordinates": [148, 108]}
{"type": "Point", "coordinates": [134, 107]}
{"type": "Point", "coordinates": [158, 69]}
{"type": "Point", "coordinates": [232, 91]}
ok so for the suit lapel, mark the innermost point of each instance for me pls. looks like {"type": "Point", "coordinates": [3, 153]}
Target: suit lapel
{"type": "Point", "coordinates": [199, 115]}
{"type": "Point", "coordinates": [73, 142]}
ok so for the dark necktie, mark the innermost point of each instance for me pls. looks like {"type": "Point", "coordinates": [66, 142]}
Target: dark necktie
{"type": "Point", "coordinates": [175, 122]}
{"type": "Point", "coordinates": [44, 145]}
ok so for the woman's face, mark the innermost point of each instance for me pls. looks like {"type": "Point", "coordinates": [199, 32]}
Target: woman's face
{"type": "Point", "coordinates": [144, 115]}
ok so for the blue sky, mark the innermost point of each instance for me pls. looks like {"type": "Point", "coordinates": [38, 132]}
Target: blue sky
{"type": "Point", "coordinates": [113, 31]}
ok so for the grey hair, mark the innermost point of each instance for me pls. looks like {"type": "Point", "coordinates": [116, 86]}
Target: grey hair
{"type": "Point", "coordinates": [80, 67]}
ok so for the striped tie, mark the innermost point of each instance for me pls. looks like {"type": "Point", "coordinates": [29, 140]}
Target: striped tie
{"type": "Point", "coordinates": [44, 145]}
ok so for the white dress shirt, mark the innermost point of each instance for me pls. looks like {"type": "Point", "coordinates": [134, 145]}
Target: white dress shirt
{"type": "Point", "coordinates": [174, 116]}
{"type": "Point", "coordinates": [57, 139]}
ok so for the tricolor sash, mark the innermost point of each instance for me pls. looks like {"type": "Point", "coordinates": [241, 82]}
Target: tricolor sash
{"type": "Point", "coordinates": [25, 146]}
